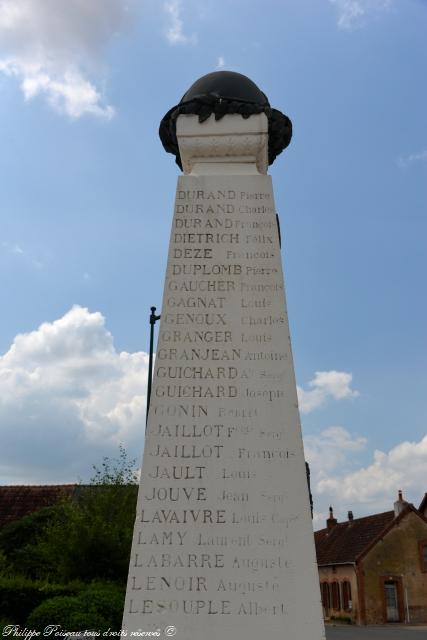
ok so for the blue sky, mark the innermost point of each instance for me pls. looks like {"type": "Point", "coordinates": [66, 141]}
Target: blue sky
{"type": "Point", "coordinates": [86, 196]}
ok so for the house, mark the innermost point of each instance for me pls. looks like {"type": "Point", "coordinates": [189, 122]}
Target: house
{"type": "Point", "coordinates": [373, 570]}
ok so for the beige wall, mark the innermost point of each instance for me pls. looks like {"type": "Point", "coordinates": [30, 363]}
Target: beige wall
{"type": "Point", "coordinates": [340, 573]}
{"type": "Point", "coordinates": [397, 556]}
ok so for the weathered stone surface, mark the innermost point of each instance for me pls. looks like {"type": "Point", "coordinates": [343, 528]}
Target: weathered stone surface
{"type": "Point", "coordinates": [223, 543]}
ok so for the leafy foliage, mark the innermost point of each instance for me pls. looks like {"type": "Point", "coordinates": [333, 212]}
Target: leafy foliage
{"type": "Point", "coordinates": [87, 537]}
{"type": "Point", "coordinates": [48, 558]}
{"type": "Point", "coordinates": [91, 535]}
{"type": "Point", "coordinates": [116, 472]}
{"type": "Point", "coordinates": [99, 607]}
{"type": "Point", "coordinates": [20, 552]}
{"type": "Point", "coordinates": [19, 596]}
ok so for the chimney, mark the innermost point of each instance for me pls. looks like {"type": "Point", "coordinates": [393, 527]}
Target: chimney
{"type": "Point", "coordinates": [331, 521]}
{"type": "Point", "coordinates": [350, 516]}
{"type": "Point", "coordinates": [400, 504]}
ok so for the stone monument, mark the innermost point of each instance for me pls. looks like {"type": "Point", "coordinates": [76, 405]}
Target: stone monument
{"type": "Point", "coordinates": [223, 543]}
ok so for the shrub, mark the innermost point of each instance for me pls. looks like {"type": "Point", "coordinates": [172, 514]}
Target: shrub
{"type": "Point", "coordinates": [16, 534]}
{"type": "Point", "coordinates": [99, 607]}
{"type": "Point", "coordinates": [19, 596]}
{"type": "Point", "coordinates": [19, 550]}
{"type": "Point", "coordinates": [53, 611]}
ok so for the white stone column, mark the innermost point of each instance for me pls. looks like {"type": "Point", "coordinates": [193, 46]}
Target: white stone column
{"type": "Point", "coordinates": [223, 544]}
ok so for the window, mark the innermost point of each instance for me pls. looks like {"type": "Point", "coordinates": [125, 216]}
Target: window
{"type": "Point", "coordinates": [325, 595]}
{"type": "Point", "coordinates": [423, 555]}
{"type": "Point", "coordinates": [336, 604]}
{"type": "Point", "coordinates": [346, 596]}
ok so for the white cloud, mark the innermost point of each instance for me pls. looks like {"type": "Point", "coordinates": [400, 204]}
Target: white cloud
{"type": "Point", "coordinates": [403, 467]}
{"type": "Point", "coordinates": [175, 31]}
{"type": "Point", "coordinates": [405, 161]}
{"type": "Point", "coordinates": [325, 385]}
{"type": "Point", "coordinates": [220, 62]}
{"type": "Point", "coordinates": [351, 12]}
{"type": "Point", "coordinates": [67, 397]}
{"type": "Point", "coordinates": [368, 489]}
{"type": "Point", "coordinates": [330, 449]}
{"type": "Point", "coordinates": [54, 48]}
{"type": "Point", "coordinates": [329, 453]}
{"type": "Point", "coordinates": [319, 519]}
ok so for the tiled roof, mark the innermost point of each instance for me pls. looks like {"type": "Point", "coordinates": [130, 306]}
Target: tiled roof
{"type": "Point", "coordinates": [347, 540]}
{"type": "Point", "coordinates": [18, 501]}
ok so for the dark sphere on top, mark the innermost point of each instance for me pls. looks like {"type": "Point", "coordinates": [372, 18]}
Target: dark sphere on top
{"type": "Point", "coordinates": [221, 93]}
{"type": "Point", "coordinates": [226, 84]}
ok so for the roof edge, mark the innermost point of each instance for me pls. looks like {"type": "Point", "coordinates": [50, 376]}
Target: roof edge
{"type": "Point", "coordinates": [36, 486]}
{"type": "Point", "coordinates": [409, 508]}
{"type": "Point", "coordinates": [345, 522]}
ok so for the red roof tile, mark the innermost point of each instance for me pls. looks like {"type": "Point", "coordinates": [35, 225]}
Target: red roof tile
{"type": "Point", "coordinates": [347, 540]}
{"type": "Point", "coordinates": [18, 501]}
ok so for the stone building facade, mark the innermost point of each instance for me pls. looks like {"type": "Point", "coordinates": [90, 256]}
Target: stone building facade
{"type": "Point", "coordinates": [373, 570]}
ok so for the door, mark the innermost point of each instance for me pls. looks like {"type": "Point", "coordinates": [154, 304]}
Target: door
{"type": "Point", "coordinates": [391, 602]}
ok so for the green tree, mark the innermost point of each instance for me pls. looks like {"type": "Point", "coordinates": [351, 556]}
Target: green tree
{"type": "Point", "coordinates": [86, 537]}
{"type": "Point", "coordinates": [92, 534]}
{"type": "Point", "coordinates": [20, 552]}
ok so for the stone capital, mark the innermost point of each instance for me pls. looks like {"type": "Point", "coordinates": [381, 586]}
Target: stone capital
{"type": "Point", "coordinates": [233, 144]}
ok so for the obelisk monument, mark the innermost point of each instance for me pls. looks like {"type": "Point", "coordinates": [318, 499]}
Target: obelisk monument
{"type": "Point", "coordinates": [223, 543]}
